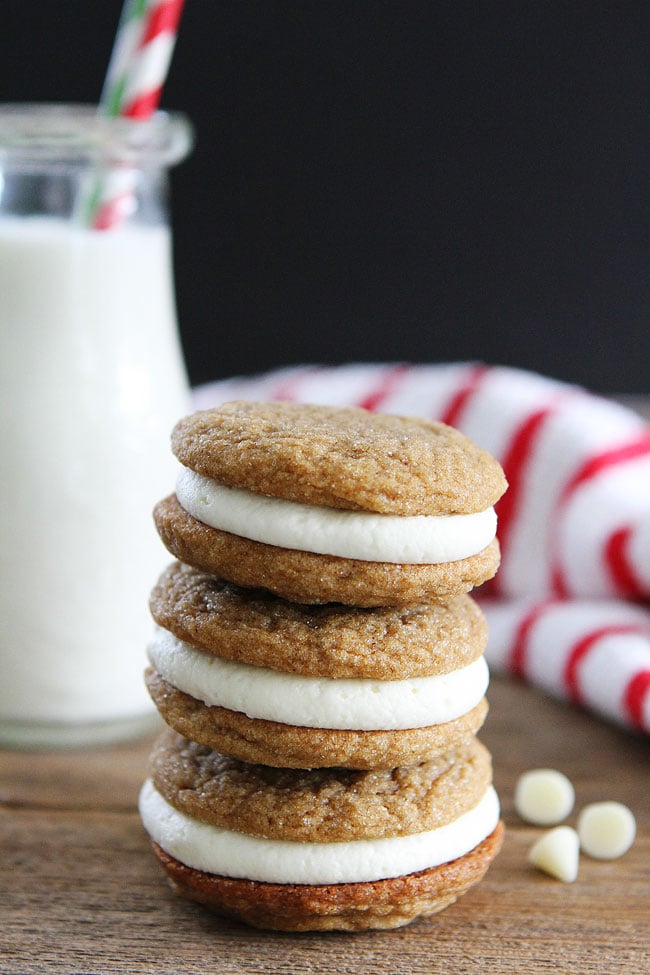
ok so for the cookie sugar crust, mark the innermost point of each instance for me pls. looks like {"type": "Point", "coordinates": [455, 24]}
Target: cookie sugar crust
{"type": "Point", "coordinates": [319, 805]}
{"type": "Point", "coordinates": [257, 628]}
{"type": "Point", "coordinates": [343, 458]}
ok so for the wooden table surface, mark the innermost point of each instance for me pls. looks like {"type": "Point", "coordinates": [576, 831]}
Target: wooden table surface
{"type": "Point", "coordinates": [81, 892]}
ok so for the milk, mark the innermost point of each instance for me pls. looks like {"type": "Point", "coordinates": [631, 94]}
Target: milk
{"type": "Point", "coordinates": [92, 381]}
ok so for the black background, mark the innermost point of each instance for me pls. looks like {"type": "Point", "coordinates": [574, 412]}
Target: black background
{"type": "Point", "coordinates": [393, 179]}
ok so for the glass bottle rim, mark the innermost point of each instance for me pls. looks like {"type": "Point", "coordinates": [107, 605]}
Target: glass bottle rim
{"type": "Point", "coordinates": [76, 133]}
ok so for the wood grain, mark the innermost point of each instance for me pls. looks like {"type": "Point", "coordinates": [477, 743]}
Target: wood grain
{"type": "Point", "coordinates": [81, 892]}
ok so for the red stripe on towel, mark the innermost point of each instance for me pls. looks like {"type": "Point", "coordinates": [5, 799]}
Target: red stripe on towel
{"type": "Point", "coordinates": [633, 699]}
{"type": "Point", "coordinates": [515, 464]}
{"type": "Point", "coordinates": [619, 565]}
{"type": "Point", "coordinates": [459, 401]}
{"type": "Point", "coordinates": [521, 640]}
{"type": "Point", "coordinates": [592, 468]}
{"type": "Point", "coordinates": [639, 447]}
{"type": "Point", "coordinates": [388, 381]}
{"type": "Point", "coordinates": [581, 649]}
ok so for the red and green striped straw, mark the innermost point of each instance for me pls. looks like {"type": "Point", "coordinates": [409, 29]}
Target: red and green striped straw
{"type": "Point", "coordinates": [139, 63]}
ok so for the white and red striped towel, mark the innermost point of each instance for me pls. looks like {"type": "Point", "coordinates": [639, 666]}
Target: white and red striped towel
{"type": "Point", "coordinates": [566, 610]}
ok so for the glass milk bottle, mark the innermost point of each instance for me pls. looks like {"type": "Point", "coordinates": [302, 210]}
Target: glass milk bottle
{"type": "Point", "coordinates": [92, 381]}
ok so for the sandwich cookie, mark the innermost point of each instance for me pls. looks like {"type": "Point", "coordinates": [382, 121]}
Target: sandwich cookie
{"type": "Point", "coordinates": [326, 849]}
{"type": "Point", "coordinates": [267, 681]}
{"type": "Point", "coordinates": [319, 504]}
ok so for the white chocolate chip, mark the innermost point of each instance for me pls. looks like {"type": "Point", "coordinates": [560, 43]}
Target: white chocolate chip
{"type": "Point", "coordinates": [606, 830]}
{"type": "Point", "coordinates": [557, 853]}
{"type": "Point", "coordinates": [544, 797]}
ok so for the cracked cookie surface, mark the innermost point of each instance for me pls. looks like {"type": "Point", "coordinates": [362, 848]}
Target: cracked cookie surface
{"type": "Point", "coordinates": [320, 805]}
{"type": "Point", "coordinates": [255, 627]}
{"type": "Point", "coordinates": [340, 458]}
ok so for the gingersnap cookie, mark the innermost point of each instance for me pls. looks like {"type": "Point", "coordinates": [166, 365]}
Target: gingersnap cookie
{"type": "Point", "coordinates": [319, 504]}
{"type": "Point", "coordinates": [275, 743]}
{"type": "Point", "coordinates": [337, 457]}
{"type": "Point", "coordinates": [265, 680]}
{"type": "Point", "coordinates": [370, 905]}
{"type": "Point", "coordinates": [331, 641]}
{"type": "Point", "coordinates": [300, 850]}
{"type": "Point", "coordinates": [307, 577]}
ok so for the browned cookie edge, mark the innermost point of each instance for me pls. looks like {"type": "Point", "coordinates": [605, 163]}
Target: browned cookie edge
{"type": "Point", "coordinates": [380, 904]}
{"type": "Point", "coordinates": [306, 577]}
{"type": "Point", "coordinates": [290, 746]}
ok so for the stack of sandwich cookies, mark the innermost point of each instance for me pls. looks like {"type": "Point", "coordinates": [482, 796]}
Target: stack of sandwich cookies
{"type": "Point", "coordinates": [320, 668]}
{"type": "Point", "coordinates": [323, 505]}
{"type": "Point", "coordinates": [322, 849]}
{"type": "Point", "coordinates": [300, 686]}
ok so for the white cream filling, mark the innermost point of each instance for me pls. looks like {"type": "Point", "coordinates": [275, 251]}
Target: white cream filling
{"type": "Point", "coordinates": [317, 702]}
{"type": "Point", "coordinates": [231, 854]}
{"type": "Point", "coordinates": [363, 535]}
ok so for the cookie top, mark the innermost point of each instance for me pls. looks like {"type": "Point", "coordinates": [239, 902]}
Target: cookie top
{"type": "Point", "coordinates": [319, 805]}
{"type": "Point", "coordinates": [343, 458]}
{"type": "Point", "coordinates": [255, 627]}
